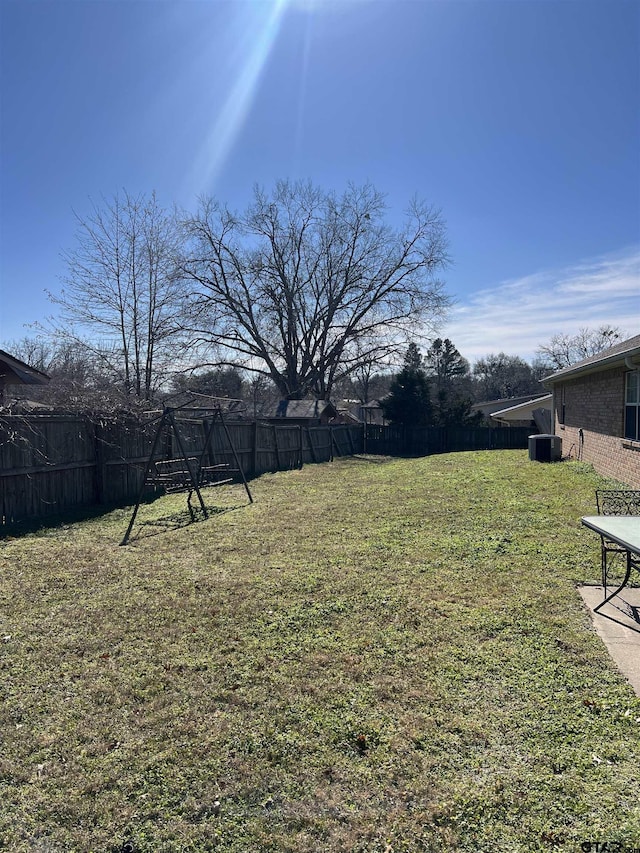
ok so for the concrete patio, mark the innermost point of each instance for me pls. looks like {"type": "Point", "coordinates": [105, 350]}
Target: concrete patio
{"type": "Point", "coordinates": [618, 624]}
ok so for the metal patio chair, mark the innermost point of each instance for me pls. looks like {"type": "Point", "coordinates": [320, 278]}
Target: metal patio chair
{"type": "Point", "coordinates": [614, 502]}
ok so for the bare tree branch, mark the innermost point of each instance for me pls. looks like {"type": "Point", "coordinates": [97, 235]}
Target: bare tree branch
{"type": "Point", "coordinates": [310, 285]}
{"type": "Point", "coordinates": [122, 295]}
{"type": "Point", "coordinates": [563, 350]}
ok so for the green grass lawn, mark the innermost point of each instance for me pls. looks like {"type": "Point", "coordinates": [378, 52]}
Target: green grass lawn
{"type": "Point", "coordinates": [376, 655]}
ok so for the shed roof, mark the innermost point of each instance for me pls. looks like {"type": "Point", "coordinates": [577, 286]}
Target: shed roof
{"type": "Point", "coordinates": [615, 356]}
{"type": "Point", "coordinates": [310, 409]}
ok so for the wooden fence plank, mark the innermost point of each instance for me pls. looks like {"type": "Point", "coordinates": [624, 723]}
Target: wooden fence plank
{"type": "Point", "coordinates": [51, 464]}
{"type": "Point", "coordinates": [422, 441]}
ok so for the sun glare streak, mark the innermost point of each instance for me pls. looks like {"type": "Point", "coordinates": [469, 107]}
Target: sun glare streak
{"type": "Point", "coordinates": [228, 123]}
{"type": "Point", "coordinates": [302, 93]}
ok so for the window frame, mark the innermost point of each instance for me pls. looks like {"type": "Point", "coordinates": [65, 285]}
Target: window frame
{"type": "Point", "coordinates": [632, 405]}
{"type": "Point", "coordinates": [561, 408]}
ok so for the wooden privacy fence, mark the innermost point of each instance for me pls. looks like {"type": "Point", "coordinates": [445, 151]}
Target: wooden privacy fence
{"type": "Point", "coordinates": [423, 441]}
{"type": "Point", "coordinates": [53, 464]}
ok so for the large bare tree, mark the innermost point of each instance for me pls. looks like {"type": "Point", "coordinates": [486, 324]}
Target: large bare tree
{"type": "Point", "coordinates": [502, 376]}
{"type": "Point", "coordinates": [563, 350]}
{"type": "Point", "coordinates": [122, 294]}
{"type": "Point", "coordinates": [306, 286]}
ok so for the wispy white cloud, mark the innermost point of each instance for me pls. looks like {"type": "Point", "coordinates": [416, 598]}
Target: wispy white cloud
{"type": "Point", "coordinates": [518, 316]}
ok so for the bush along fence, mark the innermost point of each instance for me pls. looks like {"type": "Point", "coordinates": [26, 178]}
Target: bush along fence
{"type": "Point", "coordinates": [51, 465]}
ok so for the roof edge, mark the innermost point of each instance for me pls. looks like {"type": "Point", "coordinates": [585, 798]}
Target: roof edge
{"type": "Point", "coordinates": [522, 405]}
{"type": "Point", "coordinates": [19, 367]}
{"type": "Point", "coordinates": [617, 359]}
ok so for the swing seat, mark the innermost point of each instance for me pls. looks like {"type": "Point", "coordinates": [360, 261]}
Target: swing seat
{"type": "Point", "coordinates": [210, 475]}
{"type": "Point", "coordinates": [173, 475]}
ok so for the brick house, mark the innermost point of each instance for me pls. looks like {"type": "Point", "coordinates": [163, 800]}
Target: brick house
{"type": "Point", "coordinates": [596, 411]}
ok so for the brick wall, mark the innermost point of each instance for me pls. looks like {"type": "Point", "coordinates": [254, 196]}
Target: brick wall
{"type": "Point", "coordinates": [595, 405]}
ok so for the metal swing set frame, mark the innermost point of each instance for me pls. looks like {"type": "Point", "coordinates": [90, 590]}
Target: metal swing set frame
{"type": "Point", "coordinates": [188, 472]}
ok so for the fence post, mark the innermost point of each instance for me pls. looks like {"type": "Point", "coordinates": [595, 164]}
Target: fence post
{"type": "Point", "coordinates": [277, 449]}
{"type": "Point", "coordinates": [300, 446]}
{"type": "Point", "coordinates": [98, 445]}
{"type": "Point", "coordinates": [254, 449]}
{"type": "Point", "coordinates": [312, 449]}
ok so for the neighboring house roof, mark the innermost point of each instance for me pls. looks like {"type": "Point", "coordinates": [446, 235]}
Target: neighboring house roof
{"type": "Point", "coordinates": [488, 407]}
{"type": "Point", "coordinates": [16, 372]}
{"type": "Point", "coordinates": [539, 410]}
{"type": "Point", "coordinates": [13, 407]}
{"type": "Point", "coordinates": [311, 409]}
{"type": "Point", "coordinates": [524, 411]}
{"type": "Point", "coordinates": [626, 352]}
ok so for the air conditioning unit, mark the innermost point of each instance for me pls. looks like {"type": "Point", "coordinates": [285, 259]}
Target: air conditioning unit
{"type": "Point", "coordinates": [545, 448]}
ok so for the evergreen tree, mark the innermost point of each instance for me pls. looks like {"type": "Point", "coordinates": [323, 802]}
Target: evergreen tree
{"type": "Point", "coordinates": [450, 376]}
{"type": "Point", "coordinates": [444, 362]}
{"type": "Point", "coordinates": [409, 400]}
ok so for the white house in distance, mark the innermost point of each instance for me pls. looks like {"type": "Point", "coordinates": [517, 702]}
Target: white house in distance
{"type": "Point", "coordinates": [535, 413]}
{"type": "Point", "coordinates": [490, 407]}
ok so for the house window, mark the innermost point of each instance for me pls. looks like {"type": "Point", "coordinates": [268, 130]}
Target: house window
{"type": "Point", "coordinates": [561, 406]}
{"type": "Point", "coordinates": [632, 406]}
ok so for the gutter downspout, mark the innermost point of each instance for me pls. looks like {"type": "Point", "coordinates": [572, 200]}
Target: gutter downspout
{"type": "Point", "coordinates": [630, 364]}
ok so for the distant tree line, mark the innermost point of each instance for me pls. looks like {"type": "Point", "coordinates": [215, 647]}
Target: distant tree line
{"type": "Point", "coordinates": [438, 388]}
{"type": "Point", "coordinates": [304, 293]}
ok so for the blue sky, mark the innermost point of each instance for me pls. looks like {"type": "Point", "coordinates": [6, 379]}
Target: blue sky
{"type": "Point", "coordinates": [520, 119]}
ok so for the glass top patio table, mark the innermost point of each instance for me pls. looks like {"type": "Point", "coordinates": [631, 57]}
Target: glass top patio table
{"type": "Point", "coordinates": [623, 530]}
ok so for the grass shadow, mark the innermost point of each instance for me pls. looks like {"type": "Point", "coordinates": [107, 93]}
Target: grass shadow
{"type": "Point", "coordinates": [47, 524]}
{"type": "Point", "coordinates": [177, 521]}
{"type": "Point", "coordinates": [372, 459]}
